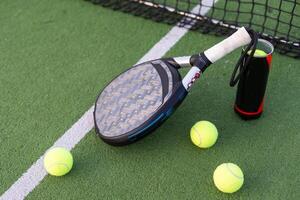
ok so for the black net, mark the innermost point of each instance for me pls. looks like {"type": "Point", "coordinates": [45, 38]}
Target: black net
{"type": "Point", "coordinates": [275, 20]}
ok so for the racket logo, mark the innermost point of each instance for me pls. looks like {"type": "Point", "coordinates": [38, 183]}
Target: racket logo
{"type": "Point", "coordinates": [193, 80]}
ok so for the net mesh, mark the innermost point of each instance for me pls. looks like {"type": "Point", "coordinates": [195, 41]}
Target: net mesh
{"type": "Point", "coordinates": [275, 20]}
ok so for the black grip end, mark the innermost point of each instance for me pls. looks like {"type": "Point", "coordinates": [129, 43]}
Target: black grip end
{"type": "Point", "coordinates": [200, 61]}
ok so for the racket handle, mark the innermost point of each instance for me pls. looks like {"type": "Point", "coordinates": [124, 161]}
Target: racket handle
{"type": "Point", "coordinates": [240, 38]}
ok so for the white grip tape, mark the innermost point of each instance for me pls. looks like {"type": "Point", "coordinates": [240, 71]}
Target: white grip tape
{"type": "Point", "coordinates": [236, 40]}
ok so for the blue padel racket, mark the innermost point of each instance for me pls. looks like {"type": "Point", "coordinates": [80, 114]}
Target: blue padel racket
{"type": "Point", "coordinates": [141, 98]}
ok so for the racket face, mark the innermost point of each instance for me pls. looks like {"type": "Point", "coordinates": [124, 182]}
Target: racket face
{"type": "Point", "coordinates": [136, 101]}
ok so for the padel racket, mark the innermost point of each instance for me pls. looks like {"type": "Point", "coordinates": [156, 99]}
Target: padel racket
{"type": "Point", "coordinates": [141, 98]}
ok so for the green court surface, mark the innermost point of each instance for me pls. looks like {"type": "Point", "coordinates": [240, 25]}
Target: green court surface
{"type": "Point", "coordinates": [55, 56]}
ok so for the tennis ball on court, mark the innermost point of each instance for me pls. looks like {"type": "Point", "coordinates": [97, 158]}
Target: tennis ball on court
{"type": "Point", "coordinates": [258, 53]}
{"type": "Point", "coordinates": [58, 161]}
{"type": "Point", "coordinates": [204, 134]}
{"type": "Point", "coordinates": [228, 177]}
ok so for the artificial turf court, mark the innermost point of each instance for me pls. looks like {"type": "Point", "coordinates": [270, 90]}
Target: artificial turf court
{"type": "Point", "coordinates": [55, 56]}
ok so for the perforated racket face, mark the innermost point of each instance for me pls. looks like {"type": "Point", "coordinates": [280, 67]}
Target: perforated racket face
{"type": "Point", "coordinates": [132, 98]}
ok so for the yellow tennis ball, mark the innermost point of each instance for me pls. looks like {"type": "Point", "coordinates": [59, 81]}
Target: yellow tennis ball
{"type": "Point", "coordinates": [258, 53]}
{"type": "Point", "coordinates": [58, 161]}
{"type": "Point", "coordinates": [204, 134]}
{"type": "Point", "coordinates": [228, 177]}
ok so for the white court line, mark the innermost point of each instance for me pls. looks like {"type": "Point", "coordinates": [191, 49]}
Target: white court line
{"type": "Point", "coordinates": [36, 173]}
